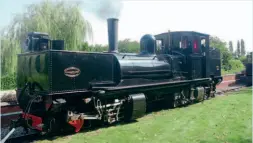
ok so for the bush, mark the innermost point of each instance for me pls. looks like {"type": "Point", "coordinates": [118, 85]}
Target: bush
{"type": "Point", "coordinates": [226, 57]}
{"type": "Point", "coordinates": [234, 67]}
{"type": "Point", "coordinates": [8, 82]}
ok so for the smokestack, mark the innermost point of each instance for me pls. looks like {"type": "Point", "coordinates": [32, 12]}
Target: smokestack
{"type": "Point", "coordinates": [112, 24]}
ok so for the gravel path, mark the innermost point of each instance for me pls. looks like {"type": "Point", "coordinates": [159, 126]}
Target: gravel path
{"type": "Point", "coordinates": [17, 133]}
{"type": "Point", "coordinates": [228, 89]}
{"type": "Point", "coordinates": [8, 96]}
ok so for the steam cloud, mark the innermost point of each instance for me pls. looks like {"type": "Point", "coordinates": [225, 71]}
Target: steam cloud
{"type": "Point", "coordinates": [104, 9]}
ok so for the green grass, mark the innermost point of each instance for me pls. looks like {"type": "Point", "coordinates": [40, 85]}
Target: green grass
{"type": "Point", "coordinates": [224, 119]}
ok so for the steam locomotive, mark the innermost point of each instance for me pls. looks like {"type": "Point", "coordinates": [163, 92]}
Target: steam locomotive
{"type": "Point", "coordinates": [59, 89]}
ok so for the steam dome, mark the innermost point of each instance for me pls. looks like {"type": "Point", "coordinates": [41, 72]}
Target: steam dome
{"type": "Point", "coordinates": [147, 44]}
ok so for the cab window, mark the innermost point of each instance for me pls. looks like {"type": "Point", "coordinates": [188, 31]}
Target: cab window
{"type": "Point", "coordinates": [196, 48]}
{"type": "Point", "coordinates": [183, 42]}
{"type": "Point", "coordinates": [159, 46]}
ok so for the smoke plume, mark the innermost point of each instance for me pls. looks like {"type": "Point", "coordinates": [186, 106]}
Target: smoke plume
{"type": "Point", "coordinates": [104, 9]}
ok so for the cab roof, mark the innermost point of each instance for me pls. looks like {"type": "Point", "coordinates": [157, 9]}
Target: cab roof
{"type": "Point", "coordinates": [183, 33]}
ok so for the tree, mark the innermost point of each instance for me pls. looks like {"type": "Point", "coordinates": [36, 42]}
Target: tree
{"type": "Point", "coordinates": [98, 48]}
{"type": "Point", "coordinates": [243, 52]}
{"type": "Point", "coordinates": [238, 50]}
{"type": "Point", "coordinates": [128, 46]}
{"type": "Point", "coordinates": [231, 49]}
{"type": "Point", "coordinates": [124, 46]}
{"type": "Point", "coordinates": [84, 47]}
{"type": "Point", "coordinates": [61, 20]}
{"type": "Point", "coordinates": [9, 51]}
{"type": "Point", "coordinates": [218, 43]}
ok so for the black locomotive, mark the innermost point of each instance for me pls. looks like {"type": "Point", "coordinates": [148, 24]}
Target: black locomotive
{"type": "Point", "coordinates": [56, 87]}
{"type": "Point", "coordinates": [248, 69]}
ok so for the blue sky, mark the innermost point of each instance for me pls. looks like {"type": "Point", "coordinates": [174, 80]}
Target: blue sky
{"type": "Point", "coordinates": [229, 20]}
{"type": "Point", "coordinates": [10, 7]}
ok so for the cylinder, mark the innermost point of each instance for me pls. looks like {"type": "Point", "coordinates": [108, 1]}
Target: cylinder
{"type": "Point", "coordinates": [112, 24]}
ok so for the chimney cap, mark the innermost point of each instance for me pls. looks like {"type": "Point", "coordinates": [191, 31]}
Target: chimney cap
{"type": "Point", "coordinates": [112, 19]}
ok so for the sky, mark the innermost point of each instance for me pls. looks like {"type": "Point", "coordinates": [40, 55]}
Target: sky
{"type": "Point", "coordinates": [229, 20]}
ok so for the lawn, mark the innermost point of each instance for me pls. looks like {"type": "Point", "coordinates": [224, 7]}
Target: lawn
{"type": "Point", "coordinates": [224, 119]}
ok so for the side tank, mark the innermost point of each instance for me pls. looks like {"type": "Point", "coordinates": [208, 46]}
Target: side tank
{"type": "Point", "coordinates": [59, 71]}
{"type": "Point", "coordinates": [150, 67]}
{"type": "Point", "coordinates": [146, 66]}
{"type": "Point", "coordinates": [63, 71]}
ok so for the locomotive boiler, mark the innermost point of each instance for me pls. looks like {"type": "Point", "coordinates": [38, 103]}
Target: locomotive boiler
{"type": "Point", "coordinates": [59, 89]}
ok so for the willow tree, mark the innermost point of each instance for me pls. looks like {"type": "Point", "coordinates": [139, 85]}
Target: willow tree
{"type": "Point", "coordinates": [60, 19]}
{"type": "Point", "coordinates": [9, 50]}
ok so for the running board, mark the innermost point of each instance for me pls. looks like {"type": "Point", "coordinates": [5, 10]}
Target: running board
{"type": "Point", "coordinates": [152, 86]}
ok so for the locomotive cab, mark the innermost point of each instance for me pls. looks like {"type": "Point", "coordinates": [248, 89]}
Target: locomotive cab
{"type": "Point", "coordinates": [199, 60]}
{"type": "Point", "coordinates": [185, 42]}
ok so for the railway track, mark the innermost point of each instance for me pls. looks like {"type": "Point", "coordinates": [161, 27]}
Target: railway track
{"type": "Point", "coordinates": [8, 113]}
{"type": "Point", "coordinates": [12, 111]}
